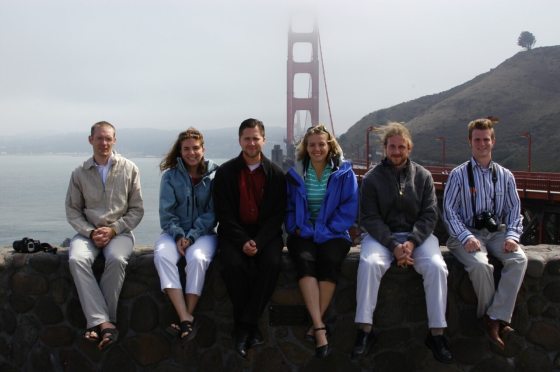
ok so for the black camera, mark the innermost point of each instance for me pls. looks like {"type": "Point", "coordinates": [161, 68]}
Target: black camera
{"type": "Point", "coordinates": [486, 220]}
{"type": "Point", "coordinates": [27, 245]}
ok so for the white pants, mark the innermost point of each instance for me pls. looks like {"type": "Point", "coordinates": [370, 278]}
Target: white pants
{"type": "Point", "coordinates": [498, 304]}
{"type": "Point", "coordinates": [99, 301]}
{"type": "Point", "coordinates": [198, 257]}
{"type": "Point", "coordinates": [375, 260]}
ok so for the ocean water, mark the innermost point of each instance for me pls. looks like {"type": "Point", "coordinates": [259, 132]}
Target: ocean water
{"type": "Point", "coordinates": [33, 190]}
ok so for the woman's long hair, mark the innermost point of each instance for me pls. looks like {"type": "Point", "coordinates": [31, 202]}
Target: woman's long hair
{"type": "Point", "coordinates": [170, 160]}
{"type": "Point", "coordinates": [334, 148]}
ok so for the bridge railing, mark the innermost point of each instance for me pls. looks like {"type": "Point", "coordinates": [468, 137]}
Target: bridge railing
{"type": "Point", "coordinates": [532, 188]}
{"type": "Point", "coordinates": [530, 185]}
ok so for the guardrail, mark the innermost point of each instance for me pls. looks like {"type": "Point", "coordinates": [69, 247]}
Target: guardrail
{"type": "Point", "coordinates": [530, 185]}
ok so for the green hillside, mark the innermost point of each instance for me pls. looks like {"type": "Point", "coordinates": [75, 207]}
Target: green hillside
{"type": "Point", "coordinates": [523, 92]}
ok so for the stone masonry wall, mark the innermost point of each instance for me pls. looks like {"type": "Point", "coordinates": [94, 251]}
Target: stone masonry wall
{"type": "Point", "coordinates": [41, 322]}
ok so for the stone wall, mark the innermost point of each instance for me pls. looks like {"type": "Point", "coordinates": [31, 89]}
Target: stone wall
{"type": "Point", "coordinates": [41, 322]}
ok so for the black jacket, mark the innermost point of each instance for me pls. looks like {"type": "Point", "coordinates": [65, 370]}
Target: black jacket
{"type": "Point", "coordinates": [226, 204]}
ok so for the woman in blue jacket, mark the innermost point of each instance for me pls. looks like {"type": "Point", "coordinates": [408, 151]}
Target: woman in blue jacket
{"type": "Point", "coordinates": [186, 214]}
{"type": "Point", "coordinates": [322, 206]}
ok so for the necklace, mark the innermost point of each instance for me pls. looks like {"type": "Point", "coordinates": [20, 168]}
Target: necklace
{"type": "Point", "coordinates": [400, 183]}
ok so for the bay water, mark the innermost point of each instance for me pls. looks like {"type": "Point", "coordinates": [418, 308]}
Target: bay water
{"type": "Point", "coordinates": [33, 191]}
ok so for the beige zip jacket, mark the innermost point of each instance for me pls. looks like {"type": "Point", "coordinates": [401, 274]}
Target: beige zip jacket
{"type": "Point", "coordinates": [118, 204]}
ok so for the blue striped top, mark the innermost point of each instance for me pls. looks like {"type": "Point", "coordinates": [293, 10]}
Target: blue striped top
{"type": "Point", "coordinates": [457, 205]}
{"type": "Point", "coordinates": [316, 189]}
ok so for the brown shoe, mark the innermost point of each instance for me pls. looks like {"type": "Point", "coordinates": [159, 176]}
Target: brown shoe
{"type": "Point", "coordinates": [493, 331]}
{"type": "Point", "coordinates": [505, 329]}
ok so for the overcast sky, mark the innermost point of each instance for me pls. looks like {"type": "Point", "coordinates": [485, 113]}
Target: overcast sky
{"type": "Point", "coordinates": [65, 64]}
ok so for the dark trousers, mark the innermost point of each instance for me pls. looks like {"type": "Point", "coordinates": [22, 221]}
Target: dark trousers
{"type": "Point", "coordinates": [250, 281]}
{"type": "Point", "coordinates": [322, 261]}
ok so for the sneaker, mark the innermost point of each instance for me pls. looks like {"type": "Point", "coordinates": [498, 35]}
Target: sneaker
{"type": "Point", "coordinates": [440, 348]}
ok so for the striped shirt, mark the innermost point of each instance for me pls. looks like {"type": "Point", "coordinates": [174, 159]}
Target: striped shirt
{"type": "Point", "coordinates": [502, 200]}
{"type": "Point", "coordinates": [316, 189]}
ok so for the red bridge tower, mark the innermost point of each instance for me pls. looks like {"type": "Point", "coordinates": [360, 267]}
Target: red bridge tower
{"type": "Point", "coordinates": [311, 68]}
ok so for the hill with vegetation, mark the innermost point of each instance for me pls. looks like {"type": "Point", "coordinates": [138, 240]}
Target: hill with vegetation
{"type": "Point", "coordinates": [523, 92]}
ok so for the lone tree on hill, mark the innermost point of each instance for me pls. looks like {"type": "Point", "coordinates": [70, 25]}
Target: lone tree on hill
{"type": "Point", "coordinates": [526, 40]}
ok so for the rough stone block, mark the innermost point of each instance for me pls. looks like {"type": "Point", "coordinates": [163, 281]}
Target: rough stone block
{"type": "Point", "coordinates": [60, 289]}
{"type": "Point", "coordinates": [29, 283]}
{"type": "Point", "coordinates": [493, 364]}
{"type": "Point", "coordinates": [117, 359]}
{"type": "Point", "coordinates": [532, 359]}
{"type": "Point", "coordinates": [393, 361]}
{"type": "Point", "coordinates": [535, 265]}
{"type": "Point", "coordinates": [207, 332]}
{"type": "Point", "coordinates": [47, 311]}
{"type": "Point", "coordinates": [287, 296]}
{"type": "Point", "coordinates": [21, 303]}
{"type": "Point", "coordinates": [133, 288]}
{"type": "Point", "coordinates": [45, 263]}
{"type": "Point", "coordinates": [553, 267]}
{"type": "Point", "coordinates": [536, 305]}
{"type": "Point", "coordinates": [40, 359]}
{"type": "Point", "coordinates": [72, 360]}
{"type": "Point", "coordinates": [8, 321]}
{"type": "Point", "coordinates": [144, 315]}
{"type": "Point", "coordinates": [74, 313]}
{"type": "Point", "coordinates": [147, 348]}
{"type": "Point", "coordinates": [57, 336]}
{"type": "Point", "coordinates": [545, 334]}
{"type": "Point", "coordinates": [552, 291]}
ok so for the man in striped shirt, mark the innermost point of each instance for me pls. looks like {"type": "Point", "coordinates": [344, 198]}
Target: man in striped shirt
{"type": "Point", "coordinates": [482, 214]}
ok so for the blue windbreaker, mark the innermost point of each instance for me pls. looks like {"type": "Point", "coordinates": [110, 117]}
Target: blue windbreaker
{"type": "Point", "coordinates": [338, 211]}
{"type": "Point", "coordinates": [186, 210]}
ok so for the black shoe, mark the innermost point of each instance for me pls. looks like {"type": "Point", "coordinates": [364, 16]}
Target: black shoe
{"type": "Point", "coordinates": [324, 350]}
{"type": "Point", "coordinates": [240, 342]}
{"type": "Point", "coordinates": [440, 348]}
{"type": "Point", "coordinates": [363, 342]}
{"type": "Point", "coordinates": [255, 339]}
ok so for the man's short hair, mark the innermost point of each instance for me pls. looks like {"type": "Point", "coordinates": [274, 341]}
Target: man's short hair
{"type": "Point", "coordinates": [251, 123]}
{"type": "Point", "coordinates": [483, 124]}
{"type": "Point", "coordinates": [102, 124]}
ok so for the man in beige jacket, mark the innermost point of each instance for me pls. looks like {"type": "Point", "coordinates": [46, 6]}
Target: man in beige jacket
{"type": "Point", "coordinates": [103, 204]}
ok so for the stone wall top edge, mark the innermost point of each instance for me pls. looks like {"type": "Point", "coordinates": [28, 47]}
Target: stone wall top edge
{"type": "Point", "coordinates": [547, 252]}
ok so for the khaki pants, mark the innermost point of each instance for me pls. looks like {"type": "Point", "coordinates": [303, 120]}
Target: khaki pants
{"type": "Point", "coordinates": [99, 301]}
{"type": "Point", "coordinates": [497, 303]}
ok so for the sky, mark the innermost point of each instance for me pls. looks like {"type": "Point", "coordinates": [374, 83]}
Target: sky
{"type": "Point", "coordinates": [170, 64]}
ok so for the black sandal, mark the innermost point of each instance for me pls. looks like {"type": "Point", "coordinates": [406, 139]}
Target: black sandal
{"type": "Point", "coordinates": [88, 334]}
{"type": "Point", "coordinates": [186, 330]}
{"type": "Point", "coordinates": [108, 337]}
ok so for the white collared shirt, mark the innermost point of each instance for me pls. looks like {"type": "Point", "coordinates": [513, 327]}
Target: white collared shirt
{"type": "Point", "coordinates": [104, 169]}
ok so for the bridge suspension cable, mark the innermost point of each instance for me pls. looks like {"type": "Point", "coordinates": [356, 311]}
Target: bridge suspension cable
{"type": "Point", "coordinates": [325, 83]}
